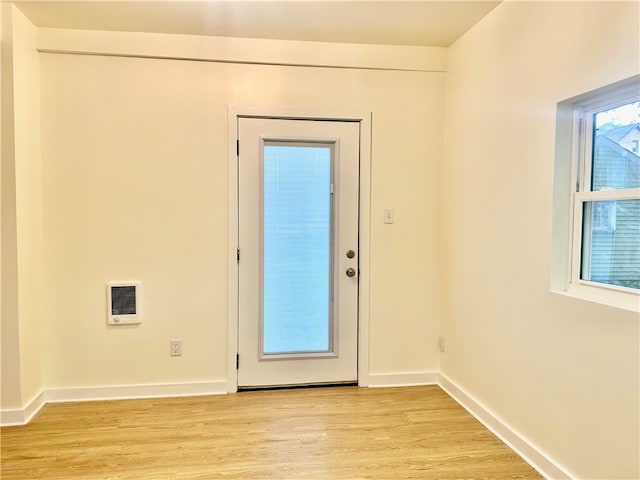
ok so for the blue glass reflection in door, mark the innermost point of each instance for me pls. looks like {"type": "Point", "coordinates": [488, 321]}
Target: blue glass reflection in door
{"type": "Point", "coordinates": [296, 248]}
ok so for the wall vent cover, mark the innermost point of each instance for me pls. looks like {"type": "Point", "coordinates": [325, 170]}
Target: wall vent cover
{"type": "Point", "coordinates": [123, 303]}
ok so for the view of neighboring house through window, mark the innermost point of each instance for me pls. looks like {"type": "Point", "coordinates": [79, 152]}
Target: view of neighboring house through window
{"type": "Point", "coordinates": [607, 202]}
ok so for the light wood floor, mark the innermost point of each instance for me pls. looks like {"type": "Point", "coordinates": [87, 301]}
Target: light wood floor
{"type": "Point", "coordinates": [320, 433]}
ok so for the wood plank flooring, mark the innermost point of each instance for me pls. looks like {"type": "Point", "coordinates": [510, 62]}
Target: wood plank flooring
{"type": "Point", "coordinates": [319, 433]}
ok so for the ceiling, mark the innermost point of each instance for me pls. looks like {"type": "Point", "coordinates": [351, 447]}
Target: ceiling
{"type": "Point", "coordinates": [417, 22]}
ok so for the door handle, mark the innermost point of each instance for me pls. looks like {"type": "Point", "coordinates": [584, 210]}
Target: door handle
{"type": "Point", "coordinates": [350, 272]}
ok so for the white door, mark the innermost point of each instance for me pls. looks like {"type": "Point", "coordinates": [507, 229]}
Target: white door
{"type": "Point", "coordinates": [298, 251]}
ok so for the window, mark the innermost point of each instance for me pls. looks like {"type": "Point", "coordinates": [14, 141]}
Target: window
{"type": "Point", "coordinates": [603, 194]}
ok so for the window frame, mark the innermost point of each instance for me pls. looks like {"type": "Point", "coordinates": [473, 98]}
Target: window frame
{"type": "Point", "coordinates": [584, 108]}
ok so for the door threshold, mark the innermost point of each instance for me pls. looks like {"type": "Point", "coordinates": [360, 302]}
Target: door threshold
{"type": "Point", "coordinates": [297, 386]}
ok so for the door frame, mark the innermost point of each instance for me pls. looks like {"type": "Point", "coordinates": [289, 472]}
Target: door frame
{"type": "Point", "coordinates": [364, 227]}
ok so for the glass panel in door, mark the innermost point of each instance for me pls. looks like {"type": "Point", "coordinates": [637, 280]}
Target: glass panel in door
{"type": "Point", "coordinates": [297, 249]}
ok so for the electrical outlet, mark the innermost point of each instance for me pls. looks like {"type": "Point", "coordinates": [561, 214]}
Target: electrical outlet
{"type": "Point", "coordinates": [441, 344]}
{"type": "Point", "coordinates": [175, 348]}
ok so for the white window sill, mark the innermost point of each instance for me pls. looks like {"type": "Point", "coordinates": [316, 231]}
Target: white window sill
{"type": "Point", "coordinates": [624, 300]}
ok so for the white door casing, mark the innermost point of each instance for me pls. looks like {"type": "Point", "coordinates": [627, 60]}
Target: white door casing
{"type": "Point", "coordinates": [363, 120]}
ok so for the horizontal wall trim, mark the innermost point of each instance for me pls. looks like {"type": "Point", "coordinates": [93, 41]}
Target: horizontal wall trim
{"type": "Point", "coordinates": [9, 418]}
{"type": "Point", "coordinates": [242, 50]}
{"type": "Point", "coordinates": [407, 379]}
{"type": "Point", "coordinates": [120, 392]}
{"type": "Point", "coordinates": [83, 394]}
{"type": "Point", "coordinates": [23, 416]}
{"type": "Point", "coordinates": [519, 444]}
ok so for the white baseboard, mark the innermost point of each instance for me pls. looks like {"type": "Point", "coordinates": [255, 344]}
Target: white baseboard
{"type": "Point", "coordinates": [519, 444]}
{"type": "Point", "coordinates": [9, 418]}
{"type": "Point", "coordinates": [407, 379]}
{"type": "Point", "coordinates": [121, 392]}
{"type": "Point", "coordinates": [23, 416]}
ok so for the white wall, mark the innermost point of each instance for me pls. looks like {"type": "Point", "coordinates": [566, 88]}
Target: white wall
{"type": "Point", "coordinates": [563, 372]}
{"type": "Point", "coordinates": [135, 187]}
{"type": "Point", "coordinates": [11, 394]}
{"type": "Point", "coordinates": [28, 171]}
{"type": "Point", "coordinates": [21, 213]}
